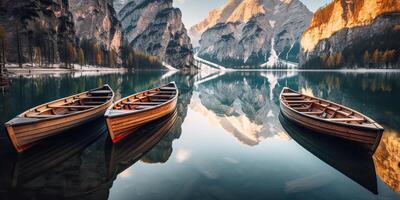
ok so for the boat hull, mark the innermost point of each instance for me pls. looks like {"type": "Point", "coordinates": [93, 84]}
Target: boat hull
{"type": "Point", "coordinates": [26, 135]}
{"type": "Point", "coordinates": [368, 137]}
{"type": "Point", "coordinates": [121, 126]}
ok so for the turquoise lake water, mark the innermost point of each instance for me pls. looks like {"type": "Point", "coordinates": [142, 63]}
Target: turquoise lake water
{"type": "Point", "coordinates": [226, 140]}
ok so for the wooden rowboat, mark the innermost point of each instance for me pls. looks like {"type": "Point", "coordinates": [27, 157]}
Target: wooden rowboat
{"type": "Point", "coordinates": [57, 116]}
{"type": "Point", "coordinates": [129, 113]}
{"type": "Point", "coordinates": [330, 118]}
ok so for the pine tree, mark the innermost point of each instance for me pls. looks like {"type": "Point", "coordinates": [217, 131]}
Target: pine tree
{"type": "Point", "coordinates": [18, 38]}
{"type": "Point", "coordinates": [338, 59]}
{"type": "Point", "coordinates": [3, 46]}
{"type": "Point", "coordinates": [37, 56]}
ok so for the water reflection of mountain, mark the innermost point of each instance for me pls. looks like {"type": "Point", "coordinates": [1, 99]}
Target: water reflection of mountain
{"type": "Point", "coordinates": [387, 159]}
{"type": "Point", "coordinates": [122, 155]}
{"type": "Point", "coordinates": [349, 159]}
{"type": "Point", "coordinates": [161, 152]}
{"type": "Point", "coordinates": [243, 104]}
{"type": "Point", "coordinates": [85, 165]}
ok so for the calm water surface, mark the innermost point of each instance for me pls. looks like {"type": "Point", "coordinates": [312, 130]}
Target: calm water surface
{"type": "Point", "coordinates": [227, 140]}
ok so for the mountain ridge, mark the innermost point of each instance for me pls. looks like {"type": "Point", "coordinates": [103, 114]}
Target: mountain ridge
{"type": "Point", "coordinates": [254, 32]}
{"type": "Point", "coordinates": [353, 33]}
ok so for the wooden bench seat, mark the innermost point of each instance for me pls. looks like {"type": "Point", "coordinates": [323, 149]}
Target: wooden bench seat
{"type": "Point", "coordinates": [97, 97]}
{"type": "Point", "coordinates": [73, 107]}
{"type": "Point", "coordinates": [302, 101]}
{"type": "Point", "coordinates": [314, 112]}
{"type": "Point", "coordinates": [346, 119]}
{"type": "Point", "coordinates": [43, 116]}
{"type": "Point", "coordinates": [289, 94]}
{"type": "Point", "coordinates": [161, 96]}
{"type": "Point", "coordinates": [143, 107]}
{"type": "Point", "coordinates": [168, 88]}
{"type": "Point", "coordinates": [163, 92]}
{"type": "Point", "coordinates": [141, 103]}
{"type": "Point", "coordinates": [100, 92]}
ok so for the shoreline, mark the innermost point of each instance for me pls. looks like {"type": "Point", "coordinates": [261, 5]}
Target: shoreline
{"type": "Point", "coordinates": [15, 70]}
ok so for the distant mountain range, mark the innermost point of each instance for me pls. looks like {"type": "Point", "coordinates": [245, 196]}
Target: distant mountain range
{"type": "Point", "coordinates": [345, 33]}
{"type": "Point", "coordinates": [241, 34]}
{"type": "Point", "coordinates": [252, 32]}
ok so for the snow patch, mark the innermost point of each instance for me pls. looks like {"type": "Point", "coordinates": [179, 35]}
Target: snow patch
{"type": "Point", "coordinates": [273, 58]}
{"type": "Point", "coordinates": [272, 23]}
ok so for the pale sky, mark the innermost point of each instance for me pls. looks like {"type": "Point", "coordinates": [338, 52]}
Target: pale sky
{"type": "Point", "coordinates": [195, 11]}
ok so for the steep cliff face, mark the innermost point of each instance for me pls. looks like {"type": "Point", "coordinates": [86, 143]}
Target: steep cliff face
{"type": "Point", "coordinates": [156, 28]}
{"type": "Point", "coordinates": [96, 20]}
{"type": "Point", "coordinates": [252, 32]}
{"type": "Point", "coordinates": [30, 24]}
{"type": "Point", "coordinates": [351, 29]}
{"type": "Point", "coordinates": [219, 15]}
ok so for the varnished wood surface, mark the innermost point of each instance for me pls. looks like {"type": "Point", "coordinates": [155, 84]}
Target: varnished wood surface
{"type": "Point", "coordinates": [330, 118]}
{"type": "Point", "coordinates": [57, 116]}
{"type": "Point", "coordinates": [127, 114]}
{"type": "Point", "coordinates": [124, 153]}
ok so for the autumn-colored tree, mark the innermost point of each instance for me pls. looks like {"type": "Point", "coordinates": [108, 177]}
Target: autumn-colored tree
{"type": "Point", "coordinates": [97, 55]}
{"type": "Point", "coordinates": [331, 60]}
{"type": "Point", "coordinates": [376, 56]}
{"type": "Point", "coordinates": [338, 59]}
{"type": "Point", "coordinates": [388, 56]}
{"type": "Point", "coordinates": [71, 54]}
{"type": "Point", "coordinates": [366, 58]}
{"type": "Point", "coordinates": [324, 58]}
{"type": "Point", "coordinates": [81, 57]}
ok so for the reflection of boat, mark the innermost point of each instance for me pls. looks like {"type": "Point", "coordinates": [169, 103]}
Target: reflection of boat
{"type": "Point", "coordinates": [351, 160]}
{"type": "Point", "coordinates": [126, 152]}
{"type": "Point", "coordinates": [125, 115]}
{"type": "Point", "coordinates": [54, 117]}
{"type": "Point", "coordinates": [20, 169]}
{"type": "Point", "coordinates": [330, 118]}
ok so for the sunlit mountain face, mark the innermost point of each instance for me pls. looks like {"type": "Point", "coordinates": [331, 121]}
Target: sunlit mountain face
{"type": "Point", "coordinates": [353, 34]}
{"type": "Point", "coordinates": [245, 106]}
{"type": "Point", "coordinates": [252, 32]}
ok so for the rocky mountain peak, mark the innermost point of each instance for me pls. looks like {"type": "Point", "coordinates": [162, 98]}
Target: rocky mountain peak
{"type": "Point", "coordinates": [155, 27]}
{"type": "Point", "coordinates": [251, 31]}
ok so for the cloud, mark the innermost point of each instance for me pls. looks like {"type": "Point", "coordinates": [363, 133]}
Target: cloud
{"type": "Point", "coordinates": [181, 1]}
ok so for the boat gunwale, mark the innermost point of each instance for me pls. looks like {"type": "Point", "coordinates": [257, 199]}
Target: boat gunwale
{"type": "Point", "coordinates": [108, 115]}
{"type": "Point", "coordinates": [22, 115]}
{"type": "Point", "coordinates": [377, 127]}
